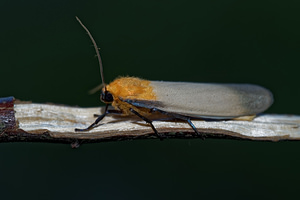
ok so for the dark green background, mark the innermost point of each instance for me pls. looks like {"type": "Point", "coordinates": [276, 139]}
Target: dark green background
{"type": "Point", "coordinates": [47, 57]}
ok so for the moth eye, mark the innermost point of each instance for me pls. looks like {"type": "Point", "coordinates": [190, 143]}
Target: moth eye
{"type": "Point", "coordinates": [106, 97]}
{"type": "Point", "coordinates": [109, 97]}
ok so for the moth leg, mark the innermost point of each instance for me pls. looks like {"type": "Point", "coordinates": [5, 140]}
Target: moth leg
{"type": "Point", "coordinates": [148, 121]}
{"type": "Point", "coordinates": [110, 112]}
{"type": "Point", "coordinates": [182, 117]}
{"type": "Point", "coordinates": [202, 135]}
{"type": "Point", "coordinates": [93, 125]}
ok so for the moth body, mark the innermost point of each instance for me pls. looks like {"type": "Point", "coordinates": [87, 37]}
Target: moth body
{"type": "Point", "coordinates": [202, 100]}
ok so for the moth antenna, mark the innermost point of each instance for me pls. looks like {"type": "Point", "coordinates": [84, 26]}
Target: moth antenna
{"type": "Point", "coordinates": [96, 89]}
{"type": "Point", "coordinates": [96, 49]}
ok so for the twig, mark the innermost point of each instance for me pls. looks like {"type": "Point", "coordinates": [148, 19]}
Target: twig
{"type": "Point", "coordinates": [56, 123]}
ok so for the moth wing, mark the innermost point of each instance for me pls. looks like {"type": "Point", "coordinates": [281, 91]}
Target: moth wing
{"type": "Point", "coordinates": [210, 100]}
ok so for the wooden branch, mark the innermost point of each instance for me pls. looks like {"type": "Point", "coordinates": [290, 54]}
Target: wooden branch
{"type": "Point", "coordinates": [56, 123]}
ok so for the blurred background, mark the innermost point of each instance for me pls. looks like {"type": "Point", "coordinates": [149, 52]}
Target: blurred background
{"type": "Point", "coordinates": [46, 56]}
